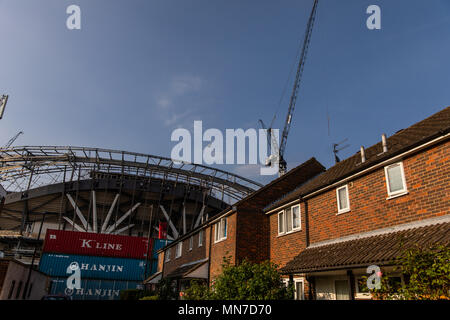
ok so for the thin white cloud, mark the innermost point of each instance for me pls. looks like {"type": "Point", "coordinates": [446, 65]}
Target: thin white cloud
{"type": "Point", "coordinates": [174, 104]}
{"type": "Point", "coordinates": [164, 102]}
{"type": "Point", "coordinates": [185, 84]}
{"type": "Point", "coordinates": [248, 170]}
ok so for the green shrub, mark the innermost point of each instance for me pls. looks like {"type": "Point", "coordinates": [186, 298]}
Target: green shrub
{"type": "Point", "coordinates": [155, 297]}
{"type": "Point", "coordinates": [426, 271]}
{"type": "Point", "coordinates": [246, 281]}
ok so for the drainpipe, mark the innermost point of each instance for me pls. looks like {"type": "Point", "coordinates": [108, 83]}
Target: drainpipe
{"type": "Point", "coordinates": [309, 279]}
{"type": "Point", "coordinates": [209, 254]}
{"type": "Point", "coordinates": [351, 280]}
{"type": "Point", "coordinates": [311, 288]}
{"type": "Point", "coordinates": [306, 223]}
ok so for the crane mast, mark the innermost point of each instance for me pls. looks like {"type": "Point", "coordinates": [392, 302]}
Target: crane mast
{"type": "Point", "coordinates": [295, 89]}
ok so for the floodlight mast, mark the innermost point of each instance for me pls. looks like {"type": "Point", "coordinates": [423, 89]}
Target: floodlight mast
{"type": "Point", "coordinates": [3, 101]}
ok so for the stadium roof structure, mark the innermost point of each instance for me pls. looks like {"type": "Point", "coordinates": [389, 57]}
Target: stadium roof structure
{"type": "Point", "coordinates": [26, 167]}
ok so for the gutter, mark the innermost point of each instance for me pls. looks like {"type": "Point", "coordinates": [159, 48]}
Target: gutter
{"type": "Point", "coordinates": [336, 268]}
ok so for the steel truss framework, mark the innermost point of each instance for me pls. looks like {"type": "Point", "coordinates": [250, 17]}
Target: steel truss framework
{"type": "Point", "coordinates": [76, 176]}
{"type": "Point", "coordinates": [23, 168]}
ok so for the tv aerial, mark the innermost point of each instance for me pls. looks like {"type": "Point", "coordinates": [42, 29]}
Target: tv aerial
{"type": "Point", "coordinates": [337, 147]}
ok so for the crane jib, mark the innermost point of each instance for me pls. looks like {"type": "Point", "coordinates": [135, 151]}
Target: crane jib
{"type": "Point", "coordinates": [296, 86]}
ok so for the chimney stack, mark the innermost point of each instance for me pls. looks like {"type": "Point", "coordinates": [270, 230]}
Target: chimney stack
{"type": "Point", "coordinates": [384, 143]}
{"type": "Point", "coordinates": [363, 155]}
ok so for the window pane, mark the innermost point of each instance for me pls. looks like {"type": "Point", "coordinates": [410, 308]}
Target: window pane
{"type": "Point", "coordinates": [343, 201]}
{"type": "Point", "coordinates": [395, 178]}
{"type": "Point", "coordinates": [224, 228]}
{"type": "Point", "coordinates": [289, 220]}
{"type": "Point", "coordinates": [216, 229]}
{"type": "Point", "coordinates": [200, 238]}
{"type": "Point", "coordinates": [299, 290]}
{"type": "Point", "coordinates": [296, 217]}
{"type": "Point", "coordinates": [179, 249]}
{"type": "Point", "coordinates": [281, 222]}
{"type": "Point", "coordinates": [342, 290]}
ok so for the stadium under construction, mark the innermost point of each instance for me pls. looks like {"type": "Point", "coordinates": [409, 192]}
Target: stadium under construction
{"type": "Point", "coordinates": [107, 192]}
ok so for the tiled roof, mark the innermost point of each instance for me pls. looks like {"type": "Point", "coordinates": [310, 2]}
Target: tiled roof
{"type": "Point", "coordinates": [380, 249]}
{"type": "Point", "coordinates": [404, 140]}
{"type": "Point", "coordinates": [275, 189]}
{"type": "Point", "coordinates": [267, 194]}
{"type": "Point", "coordinates": [182, 271]}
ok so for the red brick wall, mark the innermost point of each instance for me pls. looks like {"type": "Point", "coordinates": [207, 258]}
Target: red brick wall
{"type": "Point", "coordinates": [252, 235]}
{"type": "Point", "coordinates": [160, 261]}
{"type": "Point", "coordinates": [222, 249]}
{"type": "Point", "coordinates": [284, 248]}
{"type": "Point", "coordinates": [427, 177]}
{"type": "Point", "coordinates": [187, 256]}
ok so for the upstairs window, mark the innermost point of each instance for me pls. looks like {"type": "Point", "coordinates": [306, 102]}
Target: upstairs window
{"type": "Point", "coordinates": [289, 220]}
{"type": "Point", "coordinates": [167, 255]}
{"type": "Point", "coordinates": [191, 243]}
{"type": "Point", "coordinates": [281, 222]}
{"type": "Point", "coordinates": [179, 249]}
{"type": "Point", "coordinates": [296, 219]}
{"type": "Point", "coordinates": [343, 201]}
{"type": "Point", "coordinates": [395, 179]}
{"type": "Point", "coordinates": [220, 230]}
{"type": "Point", "coordinates": [200, 238]}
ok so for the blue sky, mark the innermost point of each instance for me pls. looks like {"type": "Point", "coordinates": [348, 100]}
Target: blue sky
{"type": "Point", "coordinates": [139, 69]}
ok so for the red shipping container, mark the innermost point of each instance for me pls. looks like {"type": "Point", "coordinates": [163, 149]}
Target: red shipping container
{"type": "Point", "coordinates": [162, 230]}
{"type": "Point", "coordinates": [96, 244]}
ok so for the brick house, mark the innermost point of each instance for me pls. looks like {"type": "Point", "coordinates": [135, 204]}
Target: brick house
{"type": "Point", "coordinates": [323, 228]}
{"type": "Point", "coordinates": [239, 232]}
{"type": "Point", "coordinates": [326, 233]}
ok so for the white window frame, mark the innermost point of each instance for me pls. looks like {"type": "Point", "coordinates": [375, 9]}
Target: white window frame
{"type": "Point", "coordinates": [283, 223]}
{"type": "Point", "coordinates": [399, 192]}
{"type": "Point", "coordinates": [200, 238]}
{"type": "Point", "coordinates": [342, 210]}
{"type": "Point", "coordinates": [167, 255]}
{"type": "Point", "coordinates": [286, 216]}
{"type": "Point", "coordinates": [299, 218]}
{"type": "Point", "coordinates": [296, 280]}
{"type": "Point", "coordinates": [218, 230]}
{"type": "Point", "coordinates": [191, 243]}
{"type": "Point", "coordinates": [301, 280]}
{"type": "Point", "coordinates": [179, 250]}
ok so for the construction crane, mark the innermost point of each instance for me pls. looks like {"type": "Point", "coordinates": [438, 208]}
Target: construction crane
{"type": "Point", "coordinates": [287, 125]}
{"type": "Point", "coordinates": [3, 101]}
{"type": "Point", "coordinates": [11, 141]}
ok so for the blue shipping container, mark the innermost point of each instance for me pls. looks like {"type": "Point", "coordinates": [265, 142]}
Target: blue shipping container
{"type": "Point", "coordinates": [158, 244]}
{"type": "Point", "coordinates": [59, 265]}
{"type": "Point", "coordinates": [93, 289]}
